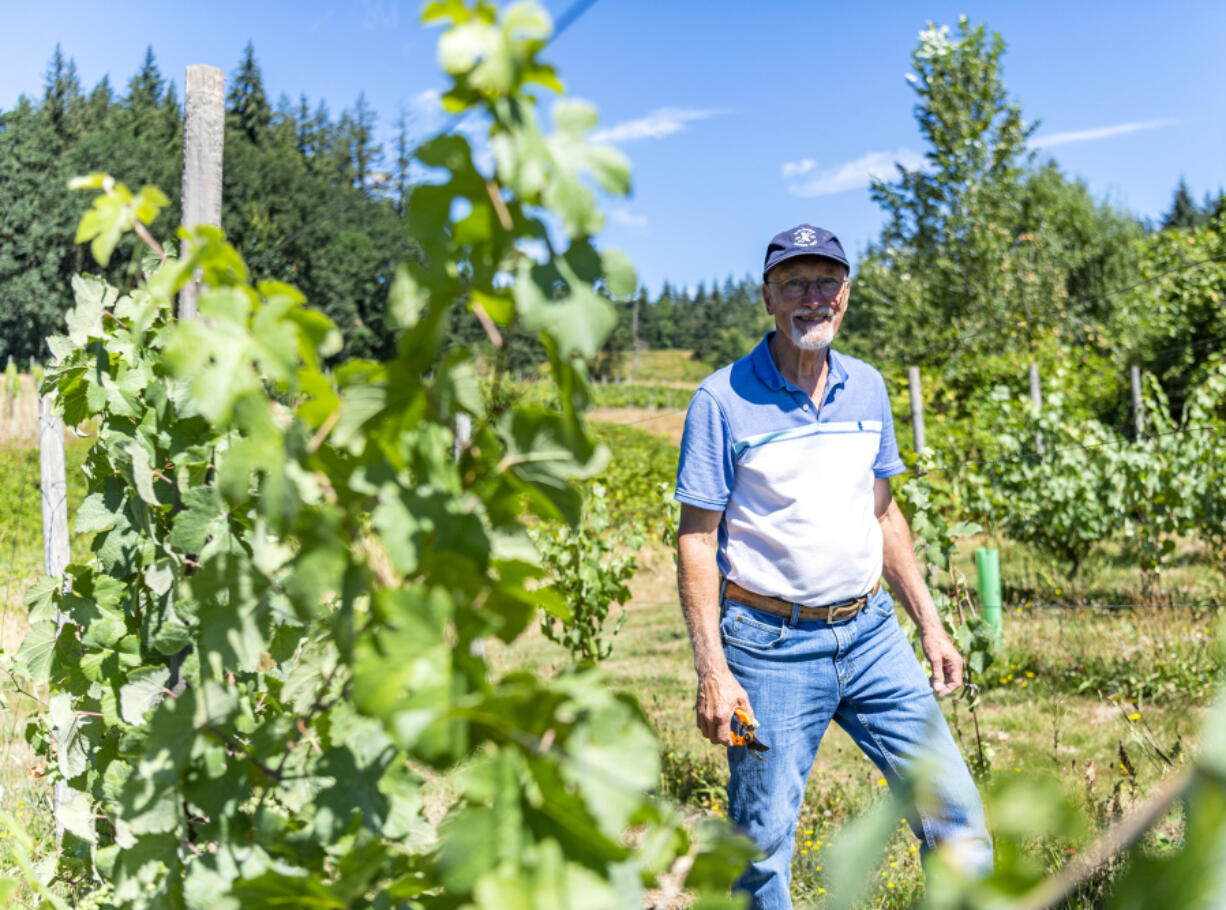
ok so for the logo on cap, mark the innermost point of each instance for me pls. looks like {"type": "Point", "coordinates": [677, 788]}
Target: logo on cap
{"type": "Point", "coordinates": [804, 236]}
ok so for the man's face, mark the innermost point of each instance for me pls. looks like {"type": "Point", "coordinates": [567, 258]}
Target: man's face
{"type": "Point", "coordinates": [810, 321]}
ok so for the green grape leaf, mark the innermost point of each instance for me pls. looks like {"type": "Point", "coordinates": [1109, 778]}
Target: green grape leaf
{"type": "Point", "coordinates": [37, 651]}
{"type": "Point", "coordinates": [40, 597]}
{"type": "Point", "coordinates": [203, 516]}
{"type": "Point", "coordinates": [578, 323]}
{"type": "Point", "coordinates": [619, 273]}
{"type": "Point", "coordinates": [77, 815]}
{"type": "Point", "coordinates": [142, 472]}
{"type": "Point", "coordinates": [93, 296]}
{"type": "Point", "coordinates": [71, 743]}
{"type": "Point", "coordinates": [98, 512]}
{"type": "Point", "coordinates": [277, 890]}
{"type": "Point", "coordinates": [142, 692]}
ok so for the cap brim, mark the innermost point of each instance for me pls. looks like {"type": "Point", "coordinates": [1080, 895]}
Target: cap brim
{"type": "Point", "coordinates": [795, 254]}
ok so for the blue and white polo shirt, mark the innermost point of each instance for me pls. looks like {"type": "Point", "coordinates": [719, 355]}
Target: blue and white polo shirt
{"type": "Point", "coordinates": [795, 482]}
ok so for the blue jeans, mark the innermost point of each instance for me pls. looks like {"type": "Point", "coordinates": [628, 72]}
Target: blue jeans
{"type": "Point", "coordinates": [861, 672]}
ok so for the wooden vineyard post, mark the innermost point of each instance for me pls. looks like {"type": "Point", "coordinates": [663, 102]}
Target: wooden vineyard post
{"type": "Point", "coordinates": [1138, 414]}
{"type": "Point", "coordinates": [1036, 395]}
{"type": "Point", "coordinates": [463, 437]}
{"type": "Point", "coordinates": [204, 126]}
{"type": "Point", "coordinates": [10, 387]}
{"type": "Point", "coordinates": [463, 434]}
{"type": "Point", "coordinates": [204, 122]}
{"type": "Point", "coordinates": [53, 480]}
{"type": "Point", "coordinates": [917, 411]}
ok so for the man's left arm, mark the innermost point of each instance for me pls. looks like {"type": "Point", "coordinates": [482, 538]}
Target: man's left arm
{"type": "Point", "coordinates": [902, 574]}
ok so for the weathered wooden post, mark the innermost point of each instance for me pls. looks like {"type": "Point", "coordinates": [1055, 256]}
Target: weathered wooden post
{"type": "Point", "coordinates": [204, 123]}
{"type": "Point", "coordinates": [204, 127]}
{"type": "Point", "coordinates": [10, 387]}
{"type": "Point", "coordinates": [917, 410]}
{"type": "Point", "coordinates": [463, 434]}
{"type": "Point", "coordinates": [1138, 413]}
{"type": "Point", "coordinates": [53, 479]}
{"type": "Point", "coordinates": [1036, 395]}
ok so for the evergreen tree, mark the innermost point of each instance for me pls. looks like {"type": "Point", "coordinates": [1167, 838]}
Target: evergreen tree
{"type": "Point", "coordinates": [62, 103]}
{"type": "Point", "coordinates": [1184, 212]}
{"type": "Point", "coordinates": [290, 203]}
{"type": "Point", "coordinates": [359, 138]}
{"type": "Point", "coordinates": [36, 256]}
{"type": "Point", "coordinates": [400, 184]}
{"type": "Point", "coordinates": [146, 88]}
{"type": "Point", "coordinates": [246, 104]}
{"type": "Point", "coordinates": [96, 112]}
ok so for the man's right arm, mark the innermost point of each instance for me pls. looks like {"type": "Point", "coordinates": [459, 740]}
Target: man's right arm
{"type": "Point", "coordinates": [719, 694]}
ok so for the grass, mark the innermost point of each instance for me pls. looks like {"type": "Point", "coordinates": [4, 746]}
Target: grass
{"type": "Point", "coordinates": [1059, 702]}
{"type": "Point", "coordinates": [664, 367]}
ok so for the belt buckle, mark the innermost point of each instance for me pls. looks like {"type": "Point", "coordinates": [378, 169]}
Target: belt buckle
{"type": "Point", "coordinates": [846, 610]}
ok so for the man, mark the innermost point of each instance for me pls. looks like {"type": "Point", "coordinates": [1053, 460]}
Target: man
{"type": "Point", "coordinates": [785, 493]}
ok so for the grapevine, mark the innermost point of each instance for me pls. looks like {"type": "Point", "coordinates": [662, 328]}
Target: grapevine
{"type": "Point", "coordinates": [268, 659]}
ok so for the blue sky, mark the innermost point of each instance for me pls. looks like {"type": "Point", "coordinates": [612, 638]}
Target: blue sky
{"type": "Point", "coordinates": [741, 119]}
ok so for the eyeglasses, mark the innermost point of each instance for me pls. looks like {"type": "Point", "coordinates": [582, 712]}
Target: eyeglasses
{"type": "Point", "coordinates": [796, 288]}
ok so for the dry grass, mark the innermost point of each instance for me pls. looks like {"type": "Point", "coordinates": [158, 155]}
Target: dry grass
{"type": "Point", "coordinates": [19, 413]}
{"type": "Point", "coordinates": [667, 424]}
{"type": "Point", "coordinates": [1067, 695]}
{"type": "Point", "coordinates": [664, 367]}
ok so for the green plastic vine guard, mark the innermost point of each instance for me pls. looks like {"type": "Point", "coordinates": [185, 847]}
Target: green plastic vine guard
{"type": "Point", "coordinates": [987, 562]}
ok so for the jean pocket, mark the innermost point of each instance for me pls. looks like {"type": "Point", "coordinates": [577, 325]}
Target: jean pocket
{"type": "Point", "coordinates": [751, 629]}
{"type": "Point", "coordinates": [881, 604]}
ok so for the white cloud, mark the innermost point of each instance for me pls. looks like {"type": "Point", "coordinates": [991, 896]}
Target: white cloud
{"type": "Point", "coordinates": [628, 219]}
{"type": "Point", "coordinates": [1102, 132]}
{"type": "Point", "coordinates": [429, 101]}
{"type": "Point", "coordinates": [796, 168]}
{"type": "Point", "coordinates": [659, 123]}
{"type": "Point", "coordinates": [850, 175]}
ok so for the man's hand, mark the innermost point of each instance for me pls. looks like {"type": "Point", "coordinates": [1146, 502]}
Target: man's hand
{"type": "Point", "coordinates": [946, 662]}
{"type": "Point", "coordinates": [719, 694]}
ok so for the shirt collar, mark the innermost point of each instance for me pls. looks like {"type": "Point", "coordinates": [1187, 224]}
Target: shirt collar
{"type": "Point", "coordinates": [766, 370]}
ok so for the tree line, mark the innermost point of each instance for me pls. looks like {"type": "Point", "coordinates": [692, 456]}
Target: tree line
{"type": "Point", "coordinates": [303, 197]}
{"type": "Point", "coordinates": [986, 249]}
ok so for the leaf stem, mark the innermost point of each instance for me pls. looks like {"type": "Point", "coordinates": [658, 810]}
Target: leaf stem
{"type": "Point", "coordinates": [143, 233]}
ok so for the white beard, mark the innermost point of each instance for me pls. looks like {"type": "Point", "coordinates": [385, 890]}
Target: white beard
{"type": "Point", "coordinates": [815, 337]}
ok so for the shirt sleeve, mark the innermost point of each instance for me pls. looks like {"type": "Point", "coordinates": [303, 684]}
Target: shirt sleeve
{"type": "Point", "coordinates": [705, 470]}
{"type": "Point", "coordinates": [889, 462]}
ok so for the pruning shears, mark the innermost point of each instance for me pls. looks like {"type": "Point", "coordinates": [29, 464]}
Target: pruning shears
{"type": "Point", "coordinates": [744, 733]}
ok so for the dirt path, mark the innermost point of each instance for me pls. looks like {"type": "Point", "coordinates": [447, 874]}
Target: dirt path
{"type": "Point", "coordinates": [667, 424]}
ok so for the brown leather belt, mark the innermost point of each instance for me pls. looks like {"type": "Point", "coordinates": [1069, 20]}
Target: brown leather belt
{"type": "Point", "coordinates": [830, 612]}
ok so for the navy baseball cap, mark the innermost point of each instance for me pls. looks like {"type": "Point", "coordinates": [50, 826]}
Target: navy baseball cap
{"type": "Point", "coordinates": [803, 240]}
